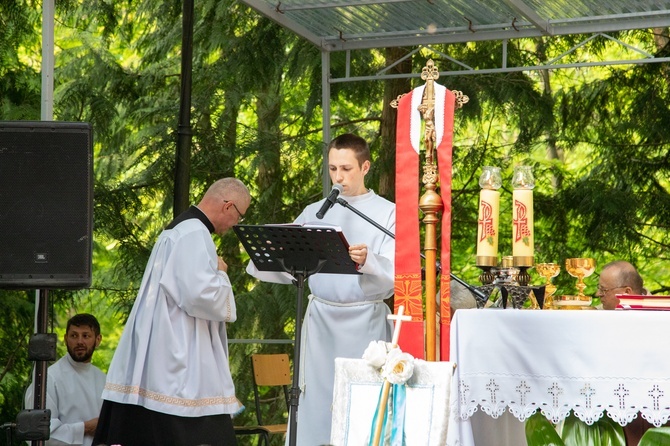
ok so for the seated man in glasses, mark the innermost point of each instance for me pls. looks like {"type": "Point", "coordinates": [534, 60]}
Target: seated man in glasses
{"type": "Point", "coordinates": [618, 277]}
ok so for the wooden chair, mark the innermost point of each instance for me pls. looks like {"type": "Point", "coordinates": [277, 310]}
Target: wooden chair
{"type": "Point", "coordinates": [269, 370]}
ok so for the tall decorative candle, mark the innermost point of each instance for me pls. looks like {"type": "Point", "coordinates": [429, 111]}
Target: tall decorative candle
{"type": "Point", "coordinates": [489, 217]}
{"type": "Point", "coordinates": [522, 216]}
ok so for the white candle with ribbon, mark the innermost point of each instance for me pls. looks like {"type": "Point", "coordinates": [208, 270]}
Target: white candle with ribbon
{"type": "Point", "coordinates": [523, 249]}
{"type": "Point", "coordinates": [489, 216]}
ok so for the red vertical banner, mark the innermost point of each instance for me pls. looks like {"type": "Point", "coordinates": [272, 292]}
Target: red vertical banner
{"type": "Point", "coordinates": [444, 160]}
{"type": "Point", "coordinates": [408, 285]}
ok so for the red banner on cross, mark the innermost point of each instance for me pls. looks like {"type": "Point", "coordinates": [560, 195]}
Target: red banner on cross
{"type": "Point", "coordinates": [408, 280]}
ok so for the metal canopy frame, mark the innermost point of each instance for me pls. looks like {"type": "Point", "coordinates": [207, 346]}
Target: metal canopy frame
{"type": "Point", "coordinates": [335, 25]}
{"type": "Point", "coordinates": [348, 25]}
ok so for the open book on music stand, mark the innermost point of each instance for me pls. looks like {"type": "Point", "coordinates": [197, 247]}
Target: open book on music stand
{"type": "Point", "coordinates": [279, 248]}
{"type": "Point", "coordinates": [300, 250]}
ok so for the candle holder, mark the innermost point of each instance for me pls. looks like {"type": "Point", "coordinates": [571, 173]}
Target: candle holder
{"type": "Point", "coordinates": [523, 278]}
{"type": "Point", "coordinates": [486, 277]}
{"type": "Point", "coordinates": [507, 273]}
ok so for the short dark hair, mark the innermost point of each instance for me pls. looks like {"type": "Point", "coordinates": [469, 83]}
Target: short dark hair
{"type": "Point", "coordinates": [84, 319]}
{"type": "Point", "coordinates": [352, 142]}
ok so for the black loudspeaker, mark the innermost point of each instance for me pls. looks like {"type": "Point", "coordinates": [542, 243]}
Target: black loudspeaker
{"type": "Point", "coordinates": [46, 204]}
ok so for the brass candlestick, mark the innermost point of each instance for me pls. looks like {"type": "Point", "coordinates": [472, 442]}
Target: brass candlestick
{"type": "Point", "coordinates": [523, 278]}
{"type": "Point", "coordinates": [486, 277]}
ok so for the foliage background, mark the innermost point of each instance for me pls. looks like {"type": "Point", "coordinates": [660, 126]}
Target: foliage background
{"type": "Point", "coordinates": [597, 139]}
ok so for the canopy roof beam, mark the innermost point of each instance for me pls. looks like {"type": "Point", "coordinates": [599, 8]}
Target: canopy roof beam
{"type": "Point", "coordinates": [504, 68]}
{"type": "Point", "coordinates": [338, 25]}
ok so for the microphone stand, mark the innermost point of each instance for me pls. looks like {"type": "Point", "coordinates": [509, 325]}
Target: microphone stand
{"type": "Point", "coordinates": [346, 204]}
{"type": "Point", "coordinates": [470, 288]}
{"type": "Point", "coordinates": [482, 297]}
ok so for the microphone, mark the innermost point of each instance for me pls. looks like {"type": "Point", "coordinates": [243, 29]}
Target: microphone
{"type": "Point", "coordinates": [330, 200]}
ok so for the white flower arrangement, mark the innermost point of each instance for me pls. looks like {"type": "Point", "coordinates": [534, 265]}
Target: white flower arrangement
{"type": "Point", "coordinates": [395, 366]}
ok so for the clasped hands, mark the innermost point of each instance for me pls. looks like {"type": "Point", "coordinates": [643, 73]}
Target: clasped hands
{"type": "Point", "coordinates": [359, 253]}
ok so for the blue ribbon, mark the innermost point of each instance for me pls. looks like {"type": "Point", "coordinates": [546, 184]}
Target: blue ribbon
{"type": "Point", "coordinates": [398, 424]}
{"type": "Point", "coordinates": [376, 418]}
{"type": "Point", "coordinates": [395, 405]}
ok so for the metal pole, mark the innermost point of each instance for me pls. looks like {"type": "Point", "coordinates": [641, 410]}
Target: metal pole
{"type": "Point", "coordinates": [325, 105]}
{"type": "Point", "coordinates": [46, 114]}
{"type": "Point", "coordinates": [40, 381]}
{"type": "Point", "coordinates": [300, 277]}
{"type": "Point", "coordinates": [47, 111]}
{"type": "Point", "coordinates": [182, 176]}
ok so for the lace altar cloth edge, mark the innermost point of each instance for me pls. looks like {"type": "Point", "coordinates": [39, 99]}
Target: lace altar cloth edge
{"type": "Point", "coordinates": [589, 399]}
{"type": "Point", "coordinates": [595, 363]}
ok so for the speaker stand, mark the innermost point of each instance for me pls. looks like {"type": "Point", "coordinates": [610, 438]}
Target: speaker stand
{"type": "Point", "coordinates": [40, 397]}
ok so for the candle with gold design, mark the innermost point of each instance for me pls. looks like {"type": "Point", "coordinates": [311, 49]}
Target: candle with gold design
{"type": "Point", "coordinates": [522, 216]}
{"type": "Point", "coordinates": [489, 217]}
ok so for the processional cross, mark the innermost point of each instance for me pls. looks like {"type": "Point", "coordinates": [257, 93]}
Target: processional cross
{"type": "Point", "coordinates": [431, 203]}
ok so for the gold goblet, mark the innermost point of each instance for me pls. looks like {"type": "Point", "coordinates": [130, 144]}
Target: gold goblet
{"type": "Point", "coordinates": [580, 268]}
{"type": "Point", "coordinates": [548, 271]}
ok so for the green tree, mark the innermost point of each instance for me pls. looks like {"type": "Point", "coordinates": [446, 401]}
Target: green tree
{"type": "Point", "coordinates": [256, 114]}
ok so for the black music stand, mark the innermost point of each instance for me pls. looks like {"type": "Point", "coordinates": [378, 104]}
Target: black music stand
{"type": "Point", "coordinates": [300, 251]}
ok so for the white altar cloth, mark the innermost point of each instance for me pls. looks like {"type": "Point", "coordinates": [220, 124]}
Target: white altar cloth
{"type": "Point", "coordinates": [356, 394]}
{"type": "Point", "coordinates": [593, 362]}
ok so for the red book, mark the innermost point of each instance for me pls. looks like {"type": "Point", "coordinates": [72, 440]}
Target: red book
{"type": "Point", "coordinates": [643, 302]}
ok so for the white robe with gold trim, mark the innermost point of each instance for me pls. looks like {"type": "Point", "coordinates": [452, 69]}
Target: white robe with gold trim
{"type": "Point", "coordinates": [173, 355]}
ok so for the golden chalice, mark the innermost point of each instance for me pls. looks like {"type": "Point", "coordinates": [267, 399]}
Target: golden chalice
{"type": "Point", "coordinates": [548, 271]}
{"type": "Point", "coordinates": [580, 268]}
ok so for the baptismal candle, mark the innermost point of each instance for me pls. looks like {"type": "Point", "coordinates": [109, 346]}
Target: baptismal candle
{"type": "Point", "coordinates": [489, 217]}
{"type": "Point", "coordinates": [522, 216]}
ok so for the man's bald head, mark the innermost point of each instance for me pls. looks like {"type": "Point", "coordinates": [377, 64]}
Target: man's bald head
{"type": "Point", "coordinates": [618, 277]}
{"type": "Point", "coordinates": [225, 203]}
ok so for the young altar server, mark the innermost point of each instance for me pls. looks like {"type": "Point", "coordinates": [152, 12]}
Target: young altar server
{"type": "Point", "coordinates": [345, 312]}
{"type": "Point", "coordinates": [169, 382]}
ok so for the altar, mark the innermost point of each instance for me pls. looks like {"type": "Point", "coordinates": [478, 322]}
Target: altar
{"type": "Point", "coordinates": [511, 363]}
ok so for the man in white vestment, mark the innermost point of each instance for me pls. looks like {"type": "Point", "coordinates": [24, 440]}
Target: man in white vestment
{"type": "Point", "coordinates": [169, 381]}
{"type": "Point", "coordinates": [74, 385]}
{"type": "Point", "coordinates": [345, 312]}
{"type": "Point", "coordinates": [618, 277]}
